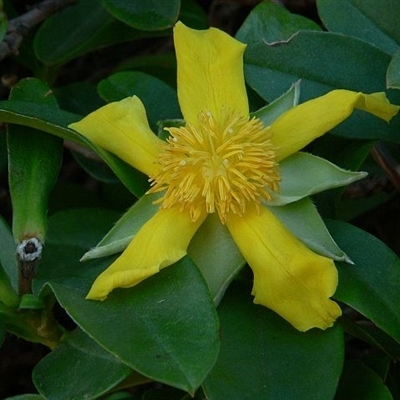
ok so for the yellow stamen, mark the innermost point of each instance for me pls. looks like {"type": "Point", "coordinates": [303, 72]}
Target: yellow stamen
{"type": "Point", "coordinates": [217, 167]}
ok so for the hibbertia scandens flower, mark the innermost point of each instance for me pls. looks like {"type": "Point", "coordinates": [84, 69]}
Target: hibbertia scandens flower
{"type": "Point", "coordinates": [223, 161]}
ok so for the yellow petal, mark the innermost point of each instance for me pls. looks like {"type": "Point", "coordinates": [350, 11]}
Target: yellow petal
{"type": "Point", "coordinates": [122, 128]}
{"type": "Point", "coordinates": [302, 124]}
{"type": "Point", "coordinates": [160, 242]}
{"type": "Point", "coordinates": [210, 72]}
{"type": "Point", "coordinates": [288, 277]}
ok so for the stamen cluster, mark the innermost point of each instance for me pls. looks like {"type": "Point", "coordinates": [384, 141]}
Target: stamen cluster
{"type": "Point", "coordinates": [217, 167]}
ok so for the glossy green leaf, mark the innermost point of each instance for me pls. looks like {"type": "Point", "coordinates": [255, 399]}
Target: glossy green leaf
{"type": "Point", "coordinates": [374, 22]}
{"type": "Point", "coordinates": [77, 29]}
{"type": "Point", "coordinates": [269, 22]}
{"type": "Point", "coordinates": [371, 286]}
{"type": "Point", "coordinates": [361, 383]}
{"type": "Point", "coordinates": [263, 357]}
{"type": "Point", "coordinates": [143, 326]}
{"type": "Point", "coordinates": [147, 15]}
{"type": "Point", "coordinates": [304, 221]}
{"type": "Point", "coordinates": [323, 61]}
{"type": "Point", "coordinates": [272, 111]}
{"type": "Point", "coordinates": [76, 356]}
{"type": "Point", "coordinates": [51, 119]}
{"type": "Point", "coordinates": [393, 72]}
{"type": "Point", "coordinates": [303, 174]}
{"type": "Point", "coordinates": [34, 161]}
{"type": "Point", "coordinates": [159, 99]}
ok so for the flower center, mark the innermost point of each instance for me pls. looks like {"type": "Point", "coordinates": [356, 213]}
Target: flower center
{"type": "Point", "coordinates": [217, 167]}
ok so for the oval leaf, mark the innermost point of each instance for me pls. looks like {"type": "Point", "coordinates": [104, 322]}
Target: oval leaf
{"type": "Point", "coordinates": [166, 327]}
{"type": "Point", "coordinates": [360, 20]}
{"type": "Point", "coordinates": [263, 357]}
{"type": "Point", "coordinates": [77, 353]}
{"type": "Point", "coordinates": [147, 15]}
{"type": "Point", "coordinates": [371, 286]}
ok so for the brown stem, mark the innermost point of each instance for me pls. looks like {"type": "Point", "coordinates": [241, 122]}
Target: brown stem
{"type": "Point", "coordinates": [18, 27]}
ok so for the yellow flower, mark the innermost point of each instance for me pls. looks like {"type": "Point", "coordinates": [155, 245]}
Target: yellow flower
{"type": "Point", "coordinates": [222, 161]}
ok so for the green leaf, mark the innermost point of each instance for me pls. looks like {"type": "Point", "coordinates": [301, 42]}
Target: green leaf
{"type": "Point", "coordinates": [371, 286]}
{"type": "Point", "coordinates": [268, 22]}
{"type": "Point", "coordinates": [272, 111]}
{"type": "Point", "coordinates": [393, 72]}
{"type": "Point", "coordinates": [77, 354]}
{"type": "Point", "coordinates": [159, 99]}
{"type": "Point", "coordinates": [171, 334]}
{"type": "Point", "coordinates": [303, 174]}
{"type": "Point", "coordinates": [361, 20]}
{"type": "Point", "coordinates": [332, 61]}
{"type": "Point", "coordinates": [34, 161]}
{"type": "Point", "coordinates": [361, 383]}
{"type": "Point", "coordinates": [147, 15]}
{"type": "Point", "coordinates": [48, 118]}
{"type": "Point", "coordinates": [70, 33]}
{"type": "Point", "coordinates": [304, 221]}
{"type": "Point", "coordinates": [263, 357]}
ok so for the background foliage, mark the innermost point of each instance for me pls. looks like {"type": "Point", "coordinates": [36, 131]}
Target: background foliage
{"type": "Point", "coordinates": [169, 338]}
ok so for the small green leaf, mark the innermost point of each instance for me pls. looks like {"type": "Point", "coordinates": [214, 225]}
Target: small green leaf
{"type": "Point", "coordinates": [269, 22]}
{"type": "Point", "coordinates": [371, 286]}
{"type": "Point", "coordinates": [77, 355]}
{"type": "Point", "coordinates": [159, 99]}
{"type": "Point", "coordinates": [77, 29]}
{"type": "Point", "coordinates": [393, 72]}
{"type": "Point", "coordinates": [361, 383]}
{"type": "Point", "coordinates": [303, 174]}
{"type": "Point", "coordinates": [304, 221]}
{"type": "Point", "coordinates": [263, 357]}
{"type": "Point", "coordinates": [272, 111]}
{"type": "Point", "coordinates": [147, 15]}
{"type": "Point", "coordinates": [361, 20]}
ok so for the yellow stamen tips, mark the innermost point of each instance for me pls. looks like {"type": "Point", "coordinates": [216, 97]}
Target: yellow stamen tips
{"type": "Point", "coordinates": [217, 166]}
